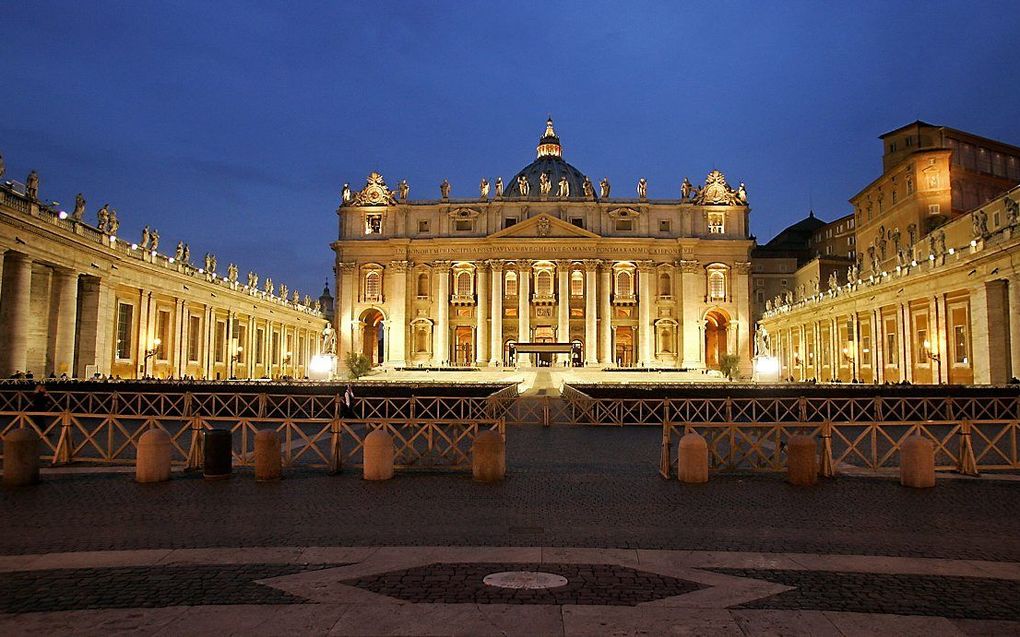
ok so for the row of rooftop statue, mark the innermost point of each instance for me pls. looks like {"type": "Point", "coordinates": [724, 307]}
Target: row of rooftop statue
{"type": "Point", "coordinates": [108, 223]}
{"type": "Point", "coordinates": [715, 191]}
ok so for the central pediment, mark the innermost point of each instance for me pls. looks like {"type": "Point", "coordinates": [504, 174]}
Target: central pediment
{"type": "Point", "coordinates": [543, 226]}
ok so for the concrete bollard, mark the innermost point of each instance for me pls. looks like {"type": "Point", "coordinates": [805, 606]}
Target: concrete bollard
{"type": "Point", "coordinates": [488, 457]}
{"type": "Point", "coordinates": [378, 450]}
{"type": "Point", "coordinates": [21, 458]}
{"type": "Point", "coordinates": [917, 463]}
{"type": "Point", "coordinates": [802, 461]}
{"type": "Point", "coordinates": [268, 465]}
{"type": "Point", "coordinates": [692, 459]}
{"type": "Point", "coordinates": [217, 461]}
{"type": "Point", "coordinates": [153, 461]}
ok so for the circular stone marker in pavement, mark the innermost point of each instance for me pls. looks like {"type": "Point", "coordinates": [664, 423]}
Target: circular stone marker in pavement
{"type": "Point", "coordinates": [524, 579]}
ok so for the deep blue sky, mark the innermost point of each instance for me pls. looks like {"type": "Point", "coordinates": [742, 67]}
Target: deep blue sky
{"type": "Point", "coordinates": [232, 125]}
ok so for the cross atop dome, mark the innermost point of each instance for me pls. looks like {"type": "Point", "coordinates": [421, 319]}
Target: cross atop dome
{"type": "Point", "coordinates": [549, 145]}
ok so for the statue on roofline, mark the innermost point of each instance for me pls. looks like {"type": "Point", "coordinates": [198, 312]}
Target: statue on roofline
{"type": "Point", "coordinates": [345, 194]}
{"type": "Point", "coordinates": [642, 188]}
{"type": "Point", "coordinates": [685, 189]}
{"type": "Point", "coordinates": [523, 187]}
{"type": "Point", "coordinates": [589, 190]}
{"type": "Point", "coordinates": [483, 188]}
{"type": "Point", "coordinates": [499, 187]}
{"type": "Point", "coordinates": [544, 185]}
{"type": "Point", "coordinates": [444, 189]}
{"type": "Point", "coordinates": [403, 189]}
{"type": "Point", "coordinates": [604, 188]}
{"type": "Point", "coordinates": [79, 208]}
{"type": "Point", "coordinates": [564, 188]}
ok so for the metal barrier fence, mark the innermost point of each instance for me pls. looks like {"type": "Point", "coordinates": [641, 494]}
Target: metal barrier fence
{"type": "Point", "coordinates": [315, 430]}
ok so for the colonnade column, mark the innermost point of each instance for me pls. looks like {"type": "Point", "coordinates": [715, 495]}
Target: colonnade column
{"type": "Point", "coordinates": [524, 309]}
{"type": "Point", "coordinates": [65, 283]}
{"type": "Point", "coordinates": [496, 333]}
{"type": "Point", "coordinates": [645, 301]}
{"type": "Point", "coordinates": [563, 307]}
{"type": "Point", "coordinates": [398, 314]}
{"type": "Point", "coordinates": [605, 314]}
{"type": "Point", "coordinates": [1013, 295]}
{"type": "Point", "coordinates": [482, 314]}
{"type": "Point", "coordinates": [590, 306]}
{"type": "Point", "coordinates": [15, 295]}
{"type": "Point", "coordinates": [441, 349]}
{"type": "Point", "coordinates": [855, 345]}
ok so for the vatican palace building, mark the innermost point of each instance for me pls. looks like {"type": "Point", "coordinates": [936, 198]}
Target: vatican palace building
{"type": "Point", "coordinates": [546, 268]}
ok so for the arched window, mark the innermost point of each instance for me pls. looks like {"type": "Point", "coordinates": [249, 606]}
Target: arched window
{"type": "Point", "coordinates": [423, 285]}
{"type": "Point", "coordinates": [665, 284]}
{"type": "Point", "coordinates": [624, 284]}
{"type": "Point", "coordinates": [373, 286]}
{"type": "Point", "coordinates": [421, 339]}
{"type": "Point", "coordinates": [543, 283]}
{"type": "Point", "coordinates": [511, 283]}
{"type": "Point", "coordinates": [717, 284]}
{"type": "Point", "coordinates": [576, 283]}
{"type": "Point", "coordinates": [464, 284]}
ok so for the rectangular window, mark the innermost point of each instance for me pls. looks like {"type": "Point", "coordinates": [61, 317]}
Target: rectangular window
{"type": "Point", "coordinates": [961, 344]}
{"type": "Point", "coordinates": [163, 334]}
{"type": "Point", "coordinates": [866, 351]}
{"type": "Point", "coordinates": [220, 340]}
{"type": "Point", "coordinates": [624, 225]}
{"type": "Point", "coordinates": [577, 221]}
{"type": "Point", "coordinates": [509, 221]}
{"type": "Point", "coordinates": [464, 225]}
{"type": "Point", "coordinates": [194, 337]}
{"type": "Point", "coordinates": [125, 318]}
{"type": "Point", "coordinates": [716, 224]}
{"type": "Point", "coordinates": [423, 226]}
{"type": "Point", "coordinates": [373, 224]}
{"type": "Point", "coordinates": [890, 344]}
{"type": "Point", "coordinates": [275, 346]}
{"type": "Point", "coordinates": [664, 225]}
{"type": "Point", "coordinates": [301, 350]}
{"type": "Point", "coordinates": [260, 345]}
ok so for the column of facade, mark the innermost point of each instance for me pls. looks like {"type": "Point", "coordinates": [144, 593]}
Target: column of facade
{"type": "Point", "coordinates": [15, 296]}
{"type": "Point", "coordinates": [803, 352]}
{"type": "Point", "coordinates": [441, 347]}
{"type": "Point", "coordinates": [878, 344]}
{"type": "Point", "coordinates": [691, 277]}
{"type": "Point", "coordinates": [605, 312]}
{"type": "Point", "coordinates": [482, 313]}
{"type": "Point", "coordinates": [563, 308]}
{"type": "Point", "coordinates": [855, 349]}
{"type": "Point", "coordinates": [1014, 326]}
{"type": "Point", "coordinates": [346, 297]}
{"type": "Point", "coordinates": [524, 310]}
{"type": "Point", "coordinates": [65, 283]}
{"type": "Point", "coordinates": [496, 336]}
{"type": "Point", "coordinates": [645, 301]}
{"type": "Point", "coordinates": [906, 342]}
{"type": "Point", "coordinates": [742, 301]}
{"type": "Point", "coordinates": [397, 340]}
{"type": "Point", "coordinates": [590, 316]}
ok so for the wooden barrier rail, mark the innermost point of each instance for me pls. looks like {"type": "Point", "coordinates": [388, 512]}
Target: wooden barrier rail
{"type": "Point", "coordinates": [315, 430]}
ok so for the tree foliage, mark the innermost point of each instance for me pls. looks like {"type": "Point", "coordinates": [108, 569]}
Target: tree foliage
{"type": "Point", "coordinates": [357, 364]}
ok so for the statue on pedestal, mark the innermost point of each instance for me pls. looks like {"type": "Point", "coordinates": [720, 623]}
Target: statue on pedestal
{"type": "Point", "coordinates": [833, 282]}
{"type": "Point", "coordinates": [589, 190]}
{"type": "Point", "coordinates": [145, 238]}
{"type": "Point", "coordinates": [283, 291]}
{"type": "Point", "coordinates": [114, 224]}
{"type": "Point", "coordinates": [523, 187]}
{"type": "Point", "coordinates": [345, 194]}
{"type": "Point", "coordinates": [762, 344]}
{"type": "Point", "coordinates": [32, 185]}
{"type": "Point", "coordinates": [232, 273]}
{"type": "Point", "coordinates": [564, 188]}
{"type": "Point", "coordinates": [604, 188]}
{"type": "Point", "coordinates": [179, 252]}
{"type": "Point", "coordinates": [544, 185]}
{"type": "Point", "coordinates": [154, 243]}
{"type": "Point", "coordinates": [187, 253]}
{"type": "Point", "coordinates": [444, 189]}
{"type": "Point", "coordinates": [328, 340]}
{"type": "Point", "coordinates": [403, 189]}
{"type": "Point", "coordinates": [499, 187]}
{"type": "Point", "coordinates": [269, 287]}
{"type": "Point", "coordinates": [103, 217]}
{"type": "Point", "coordinates": [685, 189]}
{"type": "Point", "coordinates": [742, 193]}
{"type": "Point", "coordinates": [483, 188]}
{"type": "Point", "coordinates": [79, 208]}
{"type": "Point", "coordinates": [642, 188]}
{"type": "Point", "coordinates": [253, 280]}
{"type": "Point", "coordinates": [1012, 211]}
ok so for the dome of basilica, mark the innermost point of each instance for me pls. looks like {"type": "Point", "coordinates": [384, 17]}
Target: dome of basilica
{"type": "Point", "coordinates": [550, 162]}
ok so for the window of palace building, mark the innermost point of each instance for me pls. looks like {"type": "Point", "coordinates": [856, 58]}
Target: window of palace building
{"type": "Point", "coordinates": [510, 286]}
{"type": "Point", "coordinates": [576, 283]}
{"type": "Point", "coordinates": [194, 337]}
{"type": "Point", "coordinates": [260, 345]}
{"type": "Point", "coordinates": [125, 314]}
{"type": "Point", "coordinates": [664, 225]}
{"type": "Point", "coordinates": [624, 225]}
{"type": "Point", "coordinates": [716, 223]}
{"type": "Point", "coordinates": [373, 224]}
{"type": "Point", "coordinates": [219, 341]}
{"type": "Point", "coordinates": [463, 225]}
{"type": "Point", "coordinates": [163, 334]}
{"type": "Point", "coordinates": [373, 286]}
{"type": "Point", "coordinates": [423, 226]}
{"type": "Point", "coordinates": [717, 283]}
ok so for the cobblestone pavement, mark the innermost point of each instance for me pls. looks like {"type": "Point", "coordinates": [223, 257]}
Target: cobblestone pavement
{"type": "Point", "coordinates": [608, 584]}
{"type": "Point", "coordinates": [144, 587]}
{"type": "Point", "coordinates": [896, 594]}
{"type": "Point", "coordinates": [593, 487]}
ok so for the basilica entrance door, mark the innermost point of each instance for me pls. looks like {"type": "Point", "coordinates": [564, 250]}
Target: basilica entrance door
{"type": "Point", "coordinates": [625, 346]}
{"type": "Point", "coordinates": [372, 336]}
{"type": "Point", "coordinates": [716, 326]}
{"type": "Point", "coordinates": [464, 343]}
{"type": "Point", "coordinates": [545, 335]}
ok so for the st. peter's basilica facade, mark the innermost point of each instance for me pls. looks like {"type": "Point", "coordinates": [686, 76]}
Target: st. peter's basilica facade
{"type": "Point", "coordinates": [547, 268]}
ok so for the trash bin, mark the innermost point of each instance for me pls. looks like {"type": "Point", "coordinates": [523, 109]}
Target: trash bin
{"type": "Point", "coordinates": [217, 455]}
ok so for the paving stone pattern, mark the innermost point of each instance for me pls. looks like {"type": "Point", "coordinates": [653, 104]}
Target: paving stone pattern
{"type": "Point", "coordinates": [567, 486]}
{"type": "Point", "coordinates": [144, 587]}
{"type": "Point", "coordinates": [590, 584]}
{"type": "Point", "coordinates": [940, 596]}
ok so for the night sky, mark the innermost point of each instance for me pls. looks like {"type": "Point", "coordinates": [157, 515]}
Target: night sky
{"type": "Point", "coordinates": [233, 125]}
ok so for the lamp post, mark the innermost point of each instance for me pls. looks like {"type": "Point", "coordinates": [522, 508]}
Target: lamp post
{"type": "Point", "coordinates": [934, 356]}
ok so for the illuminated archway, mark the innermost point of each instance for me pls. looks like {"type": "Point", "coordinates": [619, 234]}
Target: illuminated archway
{"type": "Point", "coordinates": [373, 336]}
{"type": "Point", "coordinates": [716, 327]}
